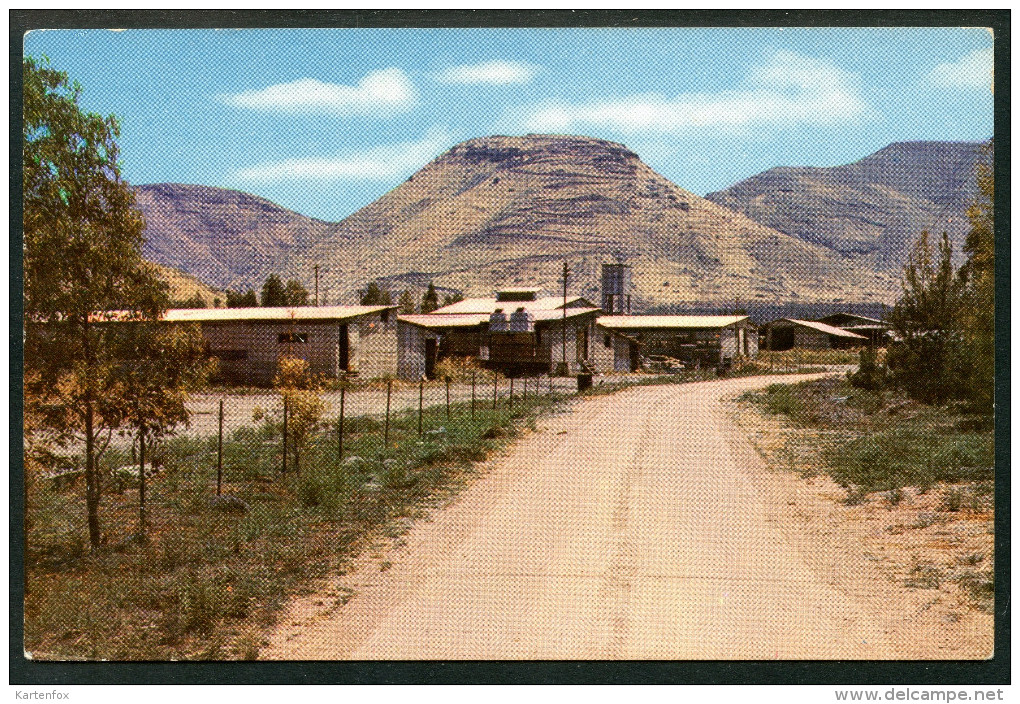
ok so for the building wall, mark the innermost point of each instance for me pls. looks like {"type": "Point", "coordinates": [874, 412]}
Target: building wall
{"type": "Point", "coordinates": [373, 345]}
{"type": "Point", "coordinates": [810, 339]}
{"type": "Point", "coordinates": [250, 351]}
{"type": "Point", "coordinates": [411, 350]}
{"type": "Point", "coordinates": [603, 356]}
{"type": "Point", "coordinates": [551, 339]}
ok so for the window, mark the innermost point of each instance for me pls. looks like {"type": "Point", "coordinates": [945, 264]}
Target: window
{"type": "Point", "coordinates": [289, 337]}
{"type": "Point", "coordinates": [607, 341]}
{"type": "Point", "coordinates": [385, 316]}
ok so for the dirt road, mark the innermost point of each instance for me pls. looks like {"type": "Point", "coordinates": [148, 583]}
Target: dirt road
{"type": "Point", "coordinates": [639, 525]}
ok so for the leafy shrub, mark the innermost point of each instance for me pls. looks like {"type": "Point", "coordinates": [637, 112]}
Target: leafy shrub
{"type": "Point", "coordinates": [870, 375]}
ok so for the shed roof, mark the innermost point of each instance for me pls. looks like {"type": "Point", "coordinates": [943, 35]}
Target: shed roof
{"type": "Point", "coordinates": [830, 319]}
{"type": "Point", "coordinates": [685, 322]}
{"type": "Point", "coordinates": [227, 315]}
{"type": "Point", "coordinates": [488, 305]}
{"type": "Point", "coordinates": [820, 327]}
{"type": "Point", "coordinates": [467, 320]}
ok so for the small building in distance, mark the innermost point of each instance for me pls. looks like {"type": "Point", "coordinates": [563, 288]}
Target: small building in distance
{"type": "Point", "coordinates": [877, 331]}
{"type": "Point", "coordinates": [692, 339]}
{"type": "Point", "coordinates": [788, 333]}
{"type": "Point", "coordinates": [248, 342]}
{"type": "Point", "coordinates": [462, 330]}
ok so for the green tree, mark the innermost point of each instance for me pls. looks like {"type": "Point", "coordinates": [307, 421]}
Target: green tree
{"type": "Point", "coordinates": [373, 295]}
{"type": "Point", "coordinates": [978, 275]}
{"type": "Point", "coordinates": [196, 301]}
{"type": "Point", "coordinates": [928, 358]}
{"type": "Point", "coordinates": [430, 301]}
{"type": "Point", "coordinates": [82, 257]}
{"type": "Point", "coordinates": [305, 406]}
{"type": "Point", "coordinates": [406, 302]}
{"type": "Point", "coordinates": [159, 366]}
{"type": "Point", "coordinates": [236, 299]}
{"type": "Point", "coordinates": [451, 298]}
{"type": "Point", "coordinates": [295, 294]}
{"type": "Point", "coordinates": [273, 292]}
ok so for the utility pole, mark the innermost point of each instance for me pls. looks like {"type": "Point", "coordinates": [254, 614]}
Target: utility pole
{"type": "Point", "coordinates": [316, 285]}
{"type": "Point", "coordinates": [563, 364]}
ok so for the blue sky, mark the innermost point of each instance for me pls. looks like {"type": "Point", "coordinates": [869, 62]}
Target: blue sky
{"type": "Point", "coordinates": [325, 121]}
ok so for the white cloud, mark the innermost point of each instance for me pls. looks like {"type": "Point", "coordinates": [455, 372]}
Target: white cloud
{"type": "Point", "coordinates": [492, 72]}
{"type": "Point", "coordinates": [387, 89]}
{"type": "Point", "coordinates": [382, 163]}
{"type": "Point", "coordinates": [788, 90]}
{"type": "Point", "coordinates": [971, 71]}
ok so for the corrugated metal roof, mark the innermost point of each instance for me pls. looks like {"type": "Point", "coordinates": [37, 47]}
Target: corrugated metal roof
{"type": "Point", "coordinates": [487, 305]}
{"type": "Point", "coordinates": [865, 318]}
{"type": "Point", "coordinates": [226, 315]}
{"type": "Point", "coordinates": [466, 320]}
{"type": "Point", "coordinates": [430, 320]}
{"type": "Point", "coordinates": [637, 322]}
{"type": "Point", "coordinates": [820, 327]}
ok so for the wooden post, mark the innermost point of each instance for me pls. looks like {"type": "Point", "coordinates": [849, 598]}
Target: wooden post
{"type": "Point", "coordinates": [386, 431]}
{"type": "Point", "coordinates": [447, 399]}
{"type": "Point", "coordinates": [141, 480]}
{"type": "Point", "coordinates": [340, 427]}
{"type": "Point", "coordinates": [495, 387]}
{"type": "Point", "coordinates": [284, 435]}
{"type": "Point", "coordinates": [525, 388]}
{"type": "Point", "coordinates": [421, 403]}
{"type": "Point", "coordinates": [550, 383]}
{"type": "Point", "coordinates": [219, 456]}
{"type": "Point", "coordinates": [472, 394]}
{"type": "Point", "coordinates": [511, 393]}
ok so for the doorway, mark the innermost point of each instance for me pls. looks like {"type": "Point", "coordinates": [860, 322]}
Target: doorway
{"type": "Point", "coordinates": [431, 352]}
{"type": "Point", "coordinates": [343, 350]}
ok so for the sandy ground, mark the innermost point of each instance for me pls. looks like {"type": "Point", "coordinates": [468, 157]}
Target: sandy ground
{"type": "Point", "coordinates": [641, 525]}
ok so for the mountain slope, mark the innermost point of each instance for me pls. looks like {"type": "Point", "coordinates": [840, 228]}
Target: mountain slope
{"type": "Point", "coordinates": [872, 210]}
{"type": "Point", "coordinates": [185, 287]}
{"type": "Point", "coordinates": [225, 238]}
{"type": "Point", "coordinates": [505, 211]}
{"type": "Point", "coordinates": [508, 210]}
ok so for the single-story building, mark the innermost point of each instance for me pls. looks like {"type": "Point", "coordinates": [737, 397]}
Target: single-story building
{"type": "Point", "coordinates": [787, 333]}
{"type": "Point", "coordinates": [248, 342]}
{"type": "Point", "coordinates": [877, 331]}
{"type": "Point", "coordinates": [692, 339]}
{"type": "Point", "coordinates": [462, 330]}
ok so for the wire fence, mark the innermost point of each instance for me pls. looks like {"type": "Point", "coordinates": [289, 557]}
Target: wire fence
{"type": "Point", "coordinates": [243, 434]}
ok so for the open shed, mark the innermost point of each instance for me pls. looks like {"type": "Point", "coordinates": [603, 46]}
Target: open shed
{"type": "Point", "coordinates": [692, 339]}
{"type": "Point", "coordinates": [877, 331]}
{"type": "Point", "coordinates": [788, 333]}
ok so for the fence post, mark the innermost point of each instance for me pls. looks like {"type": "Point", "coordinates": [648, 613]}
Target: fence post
{"type": "Point", "coordinates": [525, 389]}
{"type": "Point", "coordinates": [447, 399]}
{"type": "Point", "coordinates": [284, 435]}
{"type": "Point", "coordinates": [386, 431]}
{"type": "Point", "coordinates": [511, 393]}
{"type": "Point", "coordinates": [550, 382]}
{"type": "Point", "coordinates": [219, 455]}
{"type": "Point", "coordinates": [141, 480]}
{"type": "Point", "coordinates": [495, 388]}
{"type": "Point", "coordinates": [340, 427]}
{"type": "Point", "coordinates": [473, 394]}
{"type": "Point", "coordinates": [421, 403]}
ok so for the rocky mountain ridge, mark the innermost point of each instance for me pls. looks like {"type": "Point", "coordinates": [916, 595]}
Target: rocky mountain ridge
{"type": "Point", "coordinates": [507, 211]}
{"type": "Point", "coordinates": [872, 210]}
